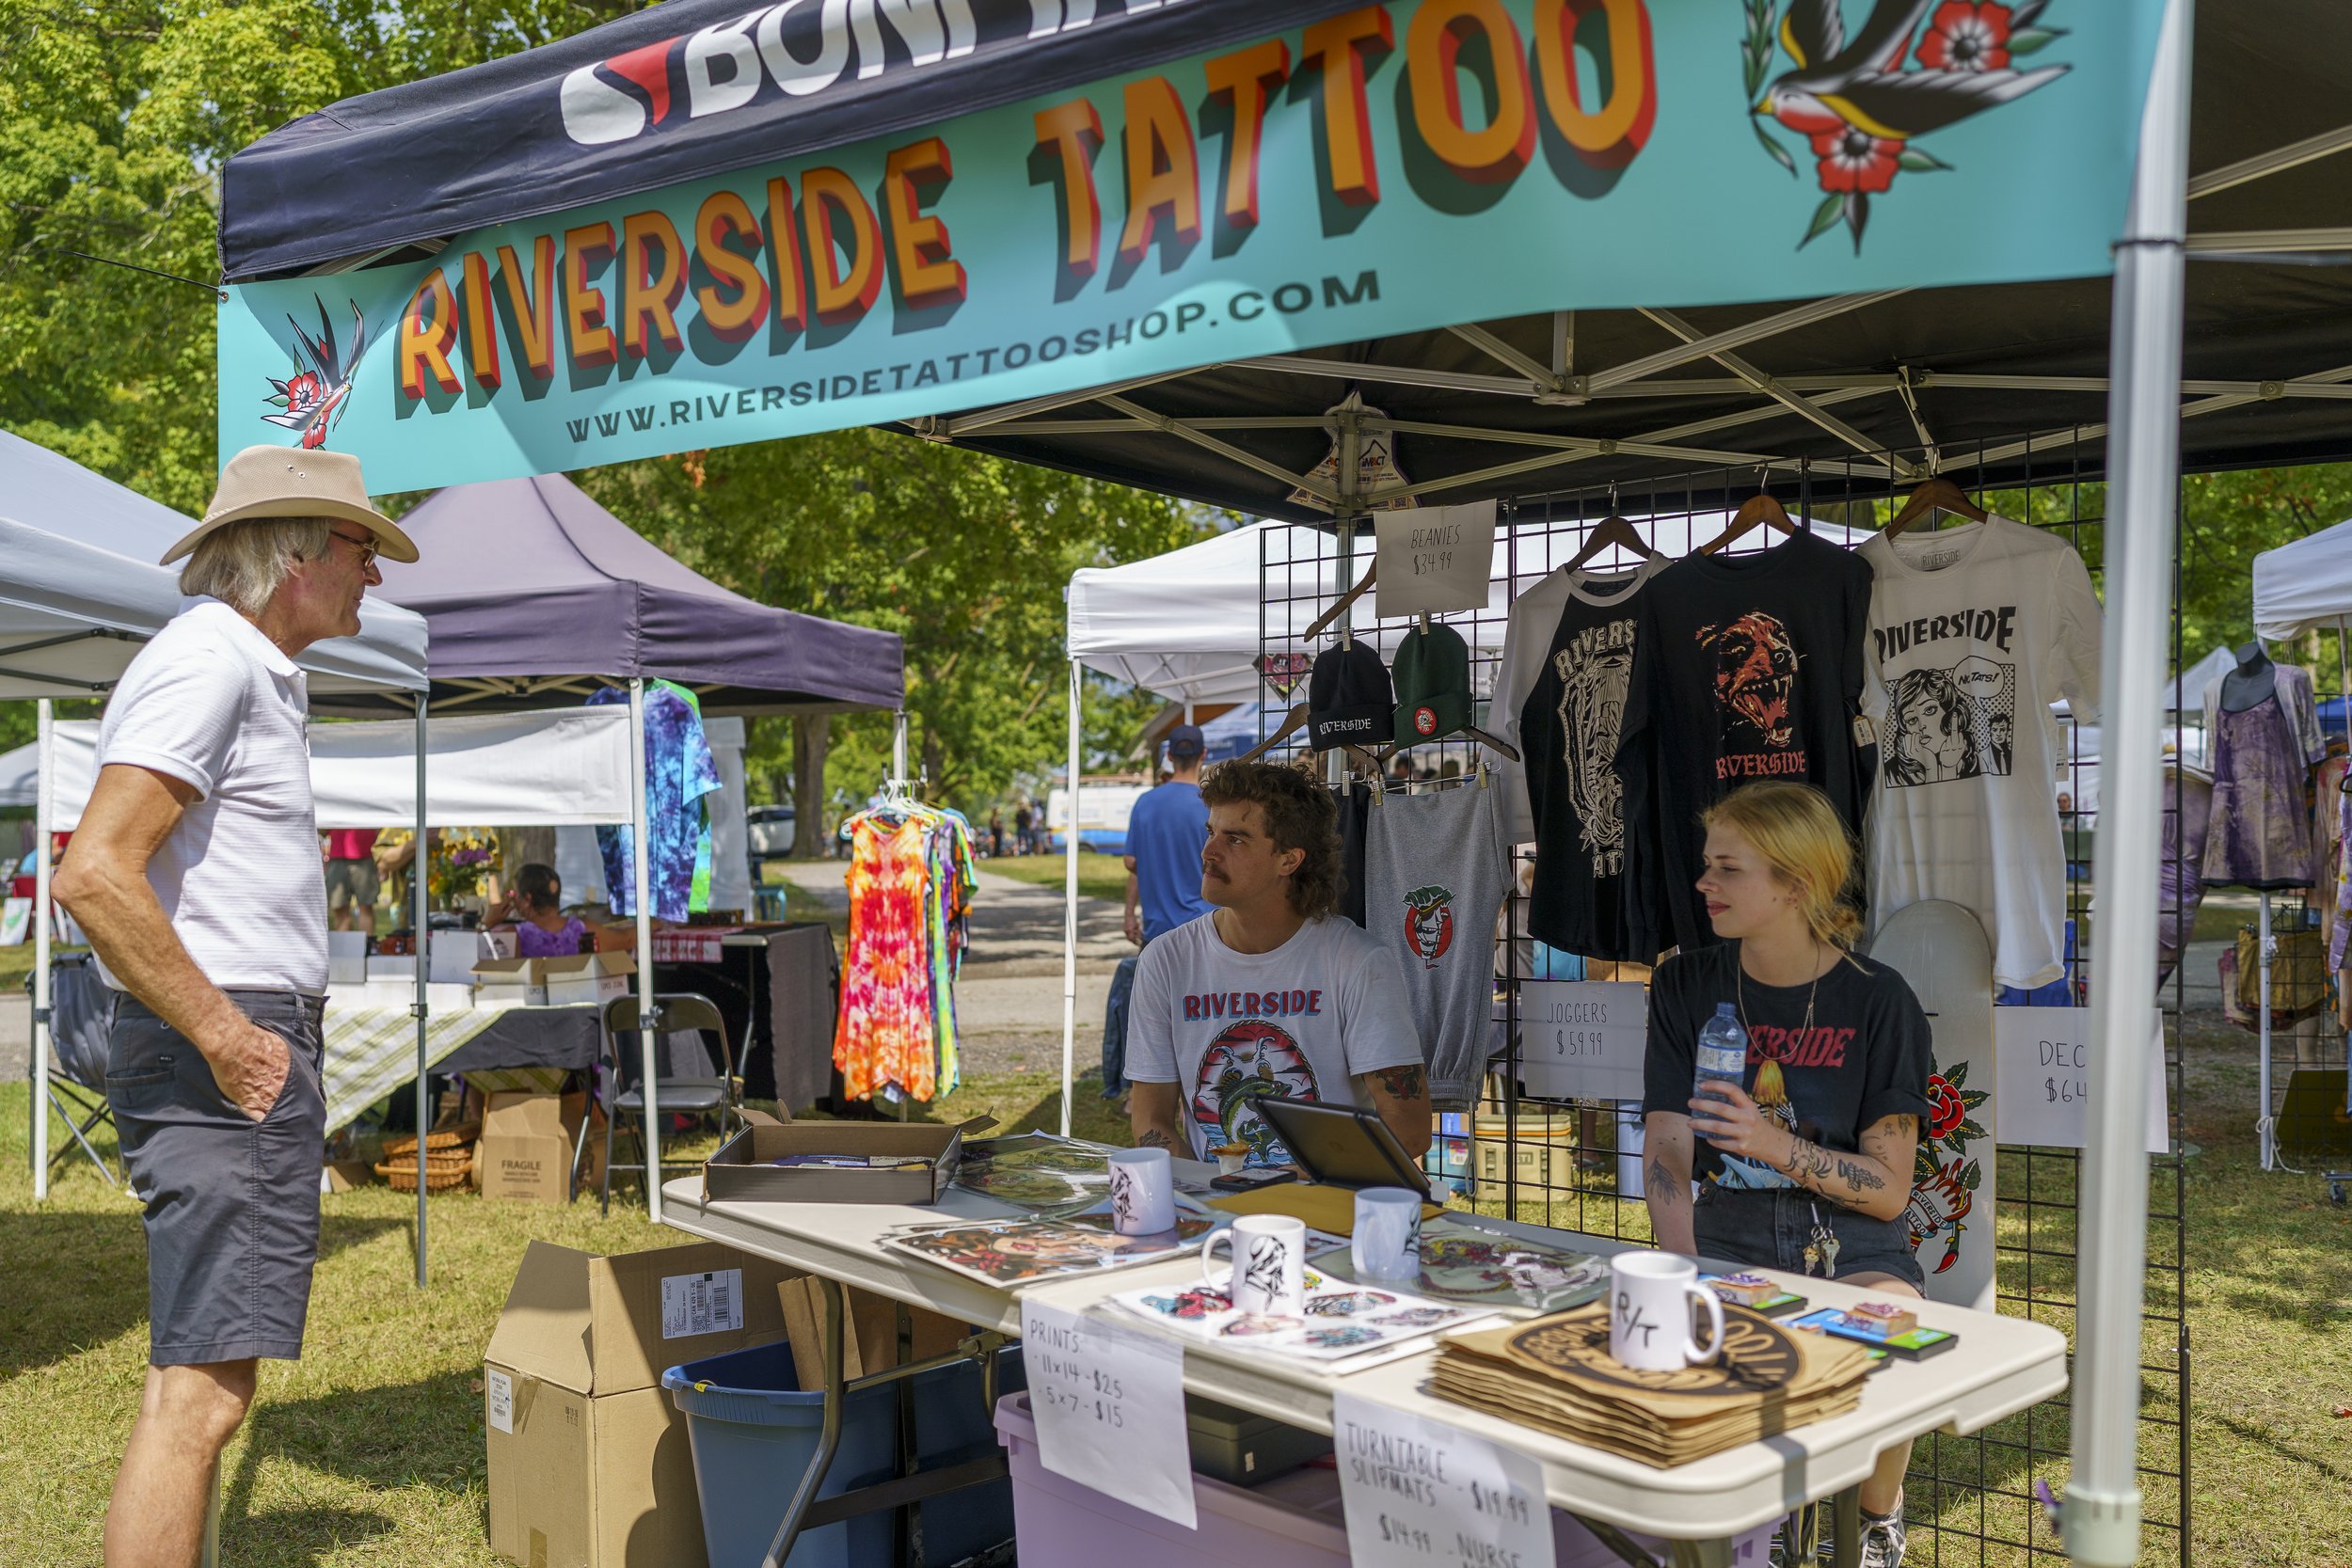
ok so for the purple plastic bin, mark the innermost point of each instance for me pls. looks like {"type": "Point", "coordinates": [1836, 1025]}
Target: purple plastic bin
{"type": "Point", "coordinates": [1297, 1520]}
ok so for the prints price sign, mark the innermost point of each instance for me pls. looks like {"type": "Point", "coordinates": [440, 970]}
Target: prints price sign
{"type": "Point", "coordinates": [1420, 1491]}
{"type": "Point", "coordinates": [1583, 1040]}
{"type": "Point", "coordinates": [1110, 1404]}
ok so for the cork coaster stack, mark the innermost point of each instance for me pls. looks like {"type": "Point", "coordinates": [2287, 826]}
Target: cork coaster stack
{"type": "Point", "coordinates": [1556, 1374]}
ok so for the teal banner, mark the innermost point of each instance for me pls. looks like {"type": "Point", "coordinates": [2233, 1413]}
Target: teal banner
{"type": "Point", "coordinates": [1393, 169]}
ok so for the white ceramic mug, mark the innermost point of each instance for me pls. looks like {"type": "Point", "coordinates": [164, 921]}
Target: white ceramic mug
{"type": "Point", "coordinates": [1386, 1243]}
{"type": "Point", "coordinates": [1649, 1312]}
{"type": "Point", "coordinates": [1143, 1192]}
{"type": "Point", "coordinates": [1269, 1278]}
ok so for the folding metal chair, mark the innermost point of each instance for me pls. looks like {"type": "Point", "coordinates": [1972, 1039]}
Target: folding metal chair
{"type": "Point", "coordinates": [625, 1064]}
{"type": "Point", "coordinates": [81, 1015]}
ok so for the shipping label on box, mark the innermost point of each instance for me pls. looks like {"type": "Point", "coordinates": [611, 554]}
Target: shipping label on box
{"type": "Point", "coordinates": [702, 1302]}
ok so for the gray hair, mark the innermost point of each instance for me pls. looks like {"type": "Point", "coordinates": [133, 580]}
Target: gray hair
{"type": "Point", "coordinates": [244, 563]}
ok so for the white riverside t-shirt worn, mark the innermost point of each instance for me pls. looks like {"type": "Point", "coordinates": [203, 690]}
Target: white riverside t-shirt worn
{"type": "Point", "coordinates": [214, 704]}
{"type": "Point", "coordinates": [1974, 631]}
{"type": "Point", "coordinates": [1301, 1023]}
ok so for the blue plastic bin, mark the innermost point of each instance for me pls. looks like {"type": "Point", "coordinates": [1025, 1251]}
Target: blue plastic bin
{"type": "Point", "coordinates": [755, 1431]}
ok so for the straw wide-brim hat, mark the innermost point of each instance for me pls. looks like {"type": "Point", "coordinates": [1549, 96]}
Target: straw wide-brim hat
{"type": "Point", "coordinates": [287, 482]}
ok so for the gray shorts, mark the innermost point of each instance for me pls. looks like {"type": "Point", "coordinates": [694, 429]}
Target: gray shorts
{"type": "Point", "coordinates": [351, 883]}
{"type": "Point", "coordinates": [231, 1204]}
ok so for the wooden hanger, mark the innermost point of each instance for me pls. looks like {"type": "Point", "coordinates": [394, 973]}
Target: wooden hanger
{"type": "Point", "coordinates": [1762, 507]}
{"type": "Point", "coordinates": [1340, 605]}
{"type": "Point", "coordinates": [1936, 493]}
{"type": "Point", "coordinates": [1612, 529]}
{"type": "Point", "coordinates": [1291, 724]}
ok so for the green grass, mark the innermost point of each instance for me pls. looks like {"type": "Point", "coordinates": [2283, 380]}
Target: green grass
{"type": "Point", "coordinates": [369, 1450]}
{"type": "Point", "coordinates": [1099, 876]}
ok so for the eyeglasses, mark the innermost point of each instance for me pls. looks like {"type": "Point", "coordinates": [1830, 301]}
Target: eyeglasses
{"type": "Point", "coordinates": [365, 546]}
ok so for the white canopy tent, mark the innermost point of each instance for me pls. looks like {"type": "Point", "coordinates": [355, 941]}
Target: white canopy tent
{"type": "Point", "coordinates": [2304, 587]}
{"type": "Point", "coordinates": [79, 592]}
{"type": "Point", "coordinates": [1190, 626]}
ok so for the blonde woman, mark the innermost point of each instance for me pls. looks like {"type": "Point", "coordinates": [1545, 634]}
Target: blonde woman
{"type": "Point", "coordinates": [1807, 1165]}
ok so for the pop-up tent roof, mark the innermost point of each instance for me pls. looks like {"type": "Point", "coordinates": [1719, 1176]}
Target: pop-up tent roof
{"type": "Point", "coordinates": [80, 590]}
{"type": "Point", "coordinates": [2304, 586]}
{"type": "Point", "coordinates": [536, 594]}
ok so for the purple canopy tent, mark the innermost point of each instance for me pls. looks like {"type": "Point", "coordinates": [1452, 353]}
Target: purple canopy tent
{"type": "Point", "coordinates": [534, 594]}
{"type": "Point", "coordinates": [532, 590]}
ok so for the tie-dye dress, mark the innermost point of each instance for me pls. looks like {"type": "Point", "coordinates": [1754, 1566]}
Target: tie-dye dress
{"type": "Point", "coordinates": [888, 1032]}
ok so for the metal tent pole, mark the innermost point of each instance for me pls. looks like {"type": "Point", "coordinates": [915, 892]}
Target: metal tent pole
{"type": "Point", "coordinates": [45, 815]}
{"type": "Point", "coordinates": [2102, 1499]}
{"type": "Point", "coordinates": [1070, 909]}
{"type": "Point", "coordinates": [420, 894]}
{"type": "Point", "coordinates": [2266, 1127]}
{"type": "Point", "coordinates": [648, 1016]}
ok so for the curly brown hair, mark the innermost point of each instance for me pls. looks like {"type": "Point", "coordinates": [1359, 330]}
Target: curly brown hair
{"type": "Point", "coordinates": [1300, 815]}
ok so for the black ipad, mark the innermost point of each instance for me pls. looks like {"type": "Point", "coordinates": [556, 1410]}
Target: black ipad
{"type": "Point", "coordinates": [1342, 1145]}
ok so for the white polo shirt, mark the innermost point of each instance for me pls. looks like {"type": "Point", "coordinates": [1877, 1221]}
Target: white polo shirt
{"type": "Point", "coordinates": [212, 702]}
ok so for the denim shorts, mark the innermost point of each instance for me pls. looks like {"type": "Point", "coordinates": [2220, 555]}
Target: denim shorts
{"type": "Point", "coordinates": [1769, 1227]}
{"type": "Point", "coordinates": [231, 1204]}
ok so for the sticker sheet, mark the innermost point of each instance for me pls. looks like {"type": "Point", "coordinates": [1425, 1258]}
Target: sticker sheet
{"type": "Point", "coordinates": [1341, 1321]}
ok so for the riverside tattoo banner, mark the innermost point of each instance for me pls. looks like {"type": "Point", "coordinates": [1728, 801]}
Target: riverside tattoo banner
{"type": "Point", "coordinates": [1356, 174]}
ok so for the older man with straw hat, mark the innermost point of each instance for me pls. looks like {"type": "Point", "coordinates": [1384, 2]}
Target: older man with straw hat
{"type": "Point", "coordinates": [196, 873]}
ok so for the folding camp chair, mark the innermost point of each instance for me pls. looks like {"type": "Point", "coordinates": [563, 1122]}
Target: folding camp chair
{"type": "Point", "coordinates": [81, 1014]}
{"type": "Point", "coordinates": [625, 1064]}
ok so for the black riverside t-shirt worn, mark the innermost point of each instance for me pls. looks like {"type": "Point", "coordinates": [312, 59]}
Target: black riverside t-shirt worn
{"type": "Point", "coordinates": [1744, 668]}
{"type": "Point", "coordinates": [1570, 729]}
{"type": "Point", "coordinates": [1866, 1055]}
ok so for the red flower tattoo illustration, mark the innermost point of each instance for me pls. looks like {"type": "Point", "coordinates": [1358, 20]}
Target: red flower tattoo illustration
{"type": "Point", "coordinates": [1967, 34]}
{"type": "Point", "coordinates": [1856, 161]}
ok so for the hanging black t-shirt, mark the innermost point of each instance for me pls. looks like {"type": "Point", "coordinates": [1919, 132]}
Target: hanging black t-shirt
{"type": "Point", "coordinates": [1569, 728]}
{"type": "Point", "coordinates": [1353, 804]}
{"type": "Point", "coordinates": [1744, 668]}
{"type": "Point", "coordinates": [1866, 1055]}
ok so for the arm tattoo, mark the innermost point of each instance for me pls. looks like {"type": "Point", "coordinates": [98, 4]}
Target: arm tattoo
{"type": "Point", "coordinates": [1154, 1138]}
{"type": "Point", "coordinates": [1662, 1185]}
{"type": "Point", "coordinates": [1404, 1082]}
{"type": "Point", "coordinates": [1812, 1166]}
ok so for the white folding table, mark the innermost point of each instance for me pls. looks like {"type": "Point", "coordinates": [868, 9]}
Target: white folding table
{"type": "Point", "coordinates": [2002, 1365]}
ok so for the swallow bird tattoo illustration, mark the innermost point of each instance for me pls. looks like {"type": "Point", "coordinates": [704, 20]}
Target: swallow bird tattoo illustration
{"type": "Point", "coordinates": [316, 396]}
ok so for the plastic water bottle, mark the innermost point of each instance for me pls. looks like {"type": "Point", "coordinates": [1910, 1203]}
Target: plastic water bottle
{"type": "Point", "coordinates": [1723, 1053]}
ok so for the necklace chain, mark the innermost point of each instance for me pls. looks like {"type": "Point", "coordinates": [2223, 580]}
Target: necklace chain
{"type": "Point", "coordinates": [1739, 992]}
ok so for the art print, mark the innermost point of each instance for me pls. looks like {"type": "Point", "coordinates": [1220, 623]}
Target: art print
{"type": "Point", "coordinates": [1012, 1252]}
{"type": "Point", "coordinates": [1338, 1323]}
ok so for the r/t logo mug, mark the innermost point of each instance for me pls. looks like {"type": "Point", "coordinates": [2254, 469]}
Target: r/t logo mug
{"type": "Point", "coordinates": [1649, 1313]}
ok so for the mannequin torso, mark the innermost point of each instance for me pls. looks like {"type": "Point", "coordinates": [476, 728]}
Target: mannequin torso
{"type": "Point", "coordinates": [2254, 679]}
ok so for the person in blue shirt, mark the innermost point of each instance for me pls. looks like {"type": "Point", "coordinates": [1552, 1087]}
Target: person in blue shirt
{"type": "Point", "coordinates": [1164, 834]}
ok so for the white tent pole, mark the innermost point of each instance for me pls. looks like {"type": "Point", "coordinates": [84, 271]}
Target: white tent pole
{"type": "Point", "coordinates": [2102, 1500]}
{"type": "Point", "coordinates": [648, 1015]}
{"type": "Point", "coordinates": [419, 898]}
{"type": "Point", "coordinates": [44, 813]}
{"type": "Point", "coordinates": [1070, 909]}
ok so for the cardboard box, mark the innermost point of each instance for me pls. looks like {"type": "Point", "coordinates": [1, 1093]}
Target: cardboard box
{"type": "Point", "coordinates": [741, 1171]}
{"type": "Point", "coordinates": [343, 1175]}
{"type": "Point", "coordinates": [452, 954]}
{"type": "Point", "coordinates": [510, 982]}
{"type": "Point", "coordinates": [590, 977]}
{"type": "Point", "coordinates": [589, 1465]}
{"type": "Point", "coordinates": [393, 966]}
{"type": "Point", "coordinates": [869, 1340]}
{"type": "Point", "coordinates": [527, 1142]}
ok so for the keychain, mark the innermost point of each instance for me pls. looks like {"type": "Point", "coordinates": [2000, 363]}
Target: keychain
{"type": "Point", "coordinates": [1821, 1251]}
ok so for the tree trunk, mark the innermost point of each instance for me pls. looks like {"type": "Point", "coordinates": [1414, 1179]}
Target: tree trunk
{"type": "Point", "coordinates": [812, 735]}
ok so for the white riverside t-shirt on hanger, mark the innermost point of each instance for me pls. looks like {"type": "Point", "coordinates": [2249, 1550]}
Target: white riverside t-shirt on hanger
{"type": "Point", "coordinates": [1974, 631]}
{"type": "Point", "coordinates": [1301, 1023]}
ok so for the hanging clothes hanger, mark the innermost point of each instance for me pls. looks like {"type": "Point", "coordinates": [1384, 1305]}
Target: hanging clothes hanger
{"type": "Point", "coordinates": [1935, 494]}
{"type": "Point", "coordinates": [1762, 507]}
{"type": "Point", "coordinates": [1338, 606]}
{"type": "Point", "coordinates": [1293, 722]}
{"type": "Point", "coordinates": [1612, 529]}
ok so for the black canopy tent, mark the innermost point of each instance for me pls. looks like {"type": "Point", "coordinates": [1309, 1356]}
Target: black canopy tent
{"type": "Point", "coordinates": [1501, 408]}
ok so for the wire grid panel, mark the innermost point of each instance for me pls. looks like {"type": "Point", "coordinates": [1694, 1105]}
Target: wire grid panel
{"type": "Point", "coordinates": [1577, 1165]}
